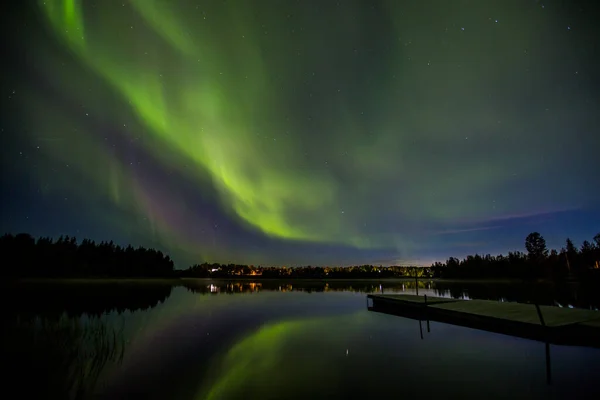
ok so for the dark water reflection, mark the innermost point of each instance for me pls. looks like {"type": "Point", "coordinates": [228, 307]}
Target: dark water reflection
{"type": "Point", "coordinates": [298, 340]}
{"type": "Point", "coordinates": [565, 295]}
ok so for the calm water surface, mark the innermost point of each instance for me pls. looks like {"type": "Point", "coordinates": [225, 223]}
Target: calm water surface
{"type": "Point", "coordinates": [214, 340]}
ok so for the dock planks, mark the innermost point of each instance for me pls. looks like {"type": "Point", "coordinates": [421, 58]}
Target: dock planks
{"type": "Point", "coordinates": [409, 298]}
{"type": "Point", "coordinates": [592, 324]}
{"type": "Point", "coordinates": [560, 325]}
{"type": "Point", "coordinates": [526, 313]}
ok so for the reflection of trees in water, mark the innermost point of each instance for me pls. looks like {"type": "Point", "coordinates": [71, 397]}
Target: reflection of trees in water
{"type": "Point", "coordinates": [58, 358]}
{"type": "Point", "coordinates": [97, 299]}
{"type": "Point", "coordinates": [575, 295]}
{"type": "Point", "coordinates": [580, 296]}
{"type": "Point", "coordinates": [228, 287]}
{"type": "Point", "coordinates": [77, 299]}
{"type": "Point", "coordinates": [225, 287]}
{"type": "Point", "coordinates": [56, 343]}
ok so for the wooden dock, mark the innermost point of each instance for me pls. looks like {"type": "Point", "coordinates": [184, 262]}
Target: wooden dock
{"type": "Point", "coordinates": [553, 325]}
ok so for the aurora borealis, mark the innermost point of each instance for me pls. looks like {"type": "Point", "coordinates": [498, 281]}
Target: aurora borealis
{"type": "Point", "coordinates": [302, 132]}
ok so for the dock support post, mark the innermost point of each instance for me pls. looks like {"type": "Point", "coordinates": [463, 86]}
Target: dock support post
{"type": "Point", "coordinates": [416, 282]}
{"type": "Point", "coordinates": [420, 324]}
{"type": "Point", "coordinates": [537, 307]}
{"type": "Point", "coordinates": [426, 313]}
{"type": "Point", "coordinates": [548, 366]}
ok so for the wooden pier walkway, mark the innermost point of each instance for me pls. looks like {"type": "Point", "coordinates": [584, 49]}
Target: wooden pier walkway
{"type": "Point", "coordinates": [554, 325]}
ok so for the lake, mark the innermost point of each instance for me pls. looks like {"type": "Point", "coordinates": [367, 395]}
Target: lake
{"type": "Point", "coordinates": [278, 340]}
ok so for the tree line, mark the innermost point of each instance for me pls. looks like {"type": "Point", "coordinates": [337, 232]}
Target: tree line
{"type": "Point", "coordinates": [67, 258]}
{"type": "Point", "coordinates": [569, 262]}
{"type": "Point", "coordinates": [216, 270]}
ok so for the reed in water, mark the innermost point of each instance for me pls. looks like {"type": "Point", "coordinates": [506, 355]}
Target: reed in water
{"type": "Point", "coordinates": [60, 357]}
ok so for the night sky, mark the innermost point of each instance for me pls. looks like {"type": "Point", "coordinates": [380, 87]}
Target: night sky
{"type": "Point", "coordinates": [302, 132]}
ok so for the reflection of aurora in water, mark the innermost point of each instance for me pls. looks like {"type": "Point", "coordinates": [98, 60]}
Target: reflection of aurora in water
{"type": "Point", "coordinates": [327, 346]}
{"type": "Point", "coordinates": [274, 358]}
{"type": "Point", "coordinates": [298, 345]}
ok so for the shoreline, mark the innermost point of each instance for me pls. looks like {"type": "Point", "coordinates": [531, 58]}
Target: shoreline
{"type": "Point", "coordinates": [183, 280]}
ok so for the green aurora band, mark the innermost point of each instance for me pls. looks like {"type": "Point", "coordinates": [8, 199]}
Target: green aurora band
{"type": "Point", "coordinates": [219, 92]}
{"type": "Point", "coordinates": [205, 118]}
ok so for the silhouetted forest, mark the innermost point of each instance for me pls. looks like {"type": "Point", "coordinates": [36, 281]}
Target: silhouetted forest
{"type": "Point", "coordinates": [216, 270]}
{"type": "Point", "coordinates": [65, 257]}
{"type": "Point", "coordinates": [537, 263]}
{"type": "Point", "coordinates": [568, 263]}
